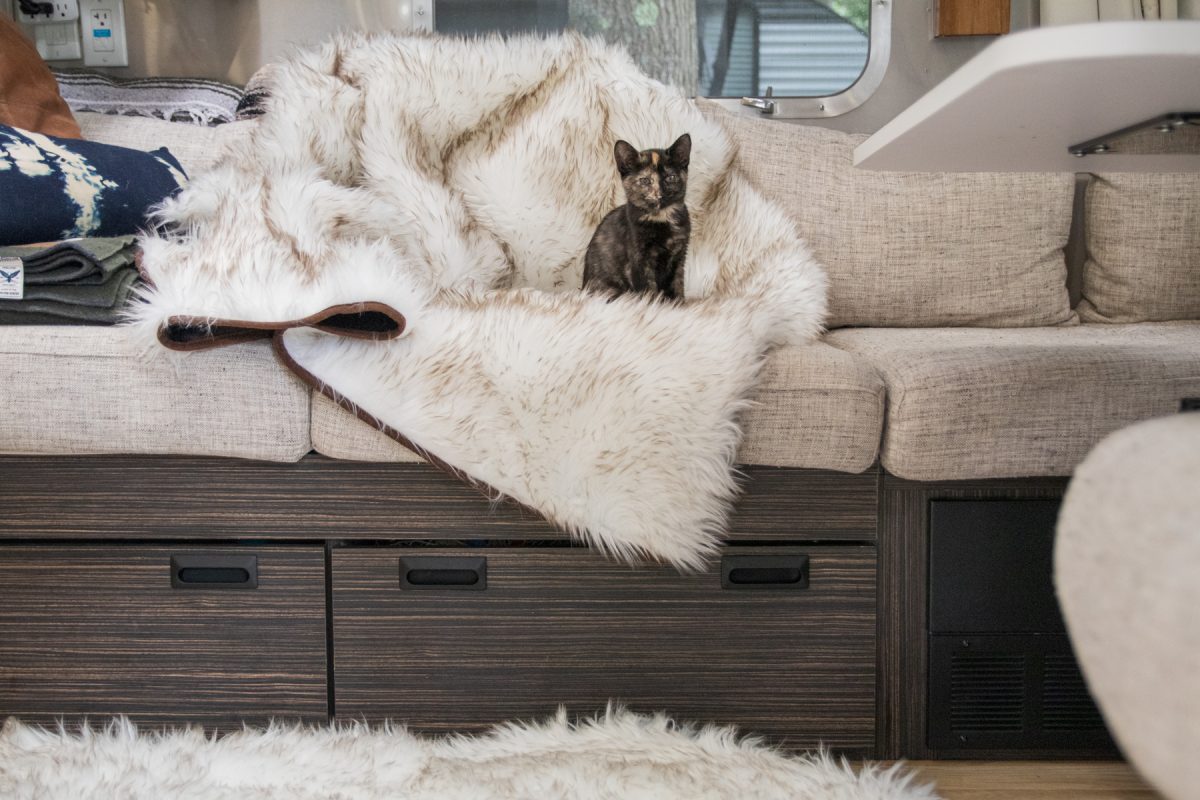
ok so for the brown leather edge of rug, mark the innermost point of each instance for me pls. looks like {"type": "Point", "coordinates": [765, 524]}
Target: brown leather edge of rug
{"type": "Point", "coordinates": [185, 334]}
{"type": "Point", "coordinates": [487, 490]}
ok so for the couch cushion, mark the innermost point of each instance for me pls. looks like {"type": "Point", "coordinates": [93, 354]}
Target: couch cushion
{"type": "Point", "coordinates": [197, 147]}
{"type": "Point", "coordinates": [817, 407]}
{"type": "Point", "coordinates": [967, 403]}
{"type": "Point", "coordinates": [916, 249]}
{"type": "Point", "coordinates": [1143, 248]}
{"type": "Point", "coordinates": [71, 390]}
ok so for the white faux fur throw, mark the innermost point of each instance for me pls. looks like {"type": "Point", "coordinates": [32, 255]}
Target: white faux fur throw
{"type": "Point", "coordinates": [456, 183]}
{"type": "Point", "coordinates": [619, 757]}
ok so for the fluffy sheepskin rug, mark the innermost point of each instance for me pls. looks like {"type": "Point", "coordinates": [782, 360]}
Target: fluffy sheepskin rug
{"type": "Point", "coordinates": [619, 757]}
{"type": "Point", "coordinates": [454, 186]}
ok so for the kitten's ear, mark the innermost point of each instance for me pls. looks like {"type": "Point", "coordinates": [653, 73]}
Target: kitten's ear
{"type": "Point", "coordinates": [680, 153]}
{"type": "Point", "coordinates": [627, 157]}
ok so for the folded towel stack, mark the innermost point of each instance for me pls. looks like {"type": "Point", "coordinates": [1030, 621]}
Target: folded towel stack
{"type": "Point", "coordinates": [74, 282]}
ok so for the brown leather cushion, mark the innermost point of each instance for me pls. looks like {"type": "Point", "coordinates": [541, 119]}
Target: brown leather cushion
{"type": "Point", "coordinates": [29, 97]}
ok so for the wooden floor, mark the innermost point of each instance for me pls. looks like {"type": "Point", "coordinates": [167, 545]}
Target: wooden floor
{"type": "Point", "coordinates": [1033, 780]}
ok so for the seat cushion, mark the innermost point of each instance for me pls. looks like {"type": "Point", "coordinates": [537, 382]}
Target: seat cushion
{"type": "Point", "coordinates": [70, 390]}
{"type": "Point", "coordinates": [816, 407]}
{"type": "Point", "coordinates": [1127, 554]}
{"type": "Point", "coordinates": [970, 403]}
{"type": "Point", "coordinates": [915, 249]}
{"type": "Point", "coordinates": [195, 146]}
{"type": "Point", "coordinates": [1143, 248]}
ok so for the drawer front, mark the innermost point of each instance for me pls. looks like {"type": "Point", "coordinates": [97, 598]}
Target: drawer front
{"type": "Point", "coordinates": [490, 635]}
{"type": "Point", "coordinates": [210, 635]}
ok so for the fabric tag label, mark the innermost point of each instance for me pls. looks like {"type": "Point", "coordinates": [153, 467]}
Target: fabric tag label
{"type": "Point", "coordinates": [12, 279]}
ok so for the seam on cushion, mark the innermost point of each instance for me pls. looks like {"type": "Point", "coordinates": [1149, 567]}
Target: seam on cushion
{"type": "Point", "coordinates": [89, 357]}
{"type": "Point", "coordinates": [308, 416]}
{"type": "Point", "coordinates": [84, 356]}
{"type": "Point", "coordinates": [897, 411]}
{"type": "Point", "coordinates": [880, 436]}
{"type": "Point", "coordinates": [990, 384]}
{"type": "Point", "coordinates": [810, 389]}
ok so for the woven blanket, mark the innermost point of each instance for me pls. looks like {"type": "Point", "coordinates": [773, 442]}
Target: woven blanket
{"type": "Point", "coordinates": [193, 100]}
{"type": "Point", "coordinates": [409, 218]}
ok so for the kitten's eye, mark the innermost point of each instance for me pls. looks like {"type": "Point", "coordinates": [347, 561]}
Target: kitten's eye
{"type": "Point", "coordinates": [643, 181]}
{"type": "Point", "coordinates": [672, 179]}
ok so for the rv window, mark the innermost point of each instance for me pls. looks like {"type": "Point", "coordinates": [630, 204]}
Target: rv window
{"type": "Point", "coordinates": [713, 48]}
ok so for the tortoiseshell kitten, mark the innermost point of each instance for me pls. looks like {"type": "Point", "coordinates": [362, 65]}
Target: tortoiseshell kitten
{"type": "Point", "coordinates": [641, 246]}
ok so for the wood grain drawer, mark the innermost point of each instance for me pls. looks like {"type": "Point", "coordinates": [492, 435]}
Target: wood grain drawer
{"type": "Point", "coordinates": [546, 627]}
{"type": "Point", "coordinates": [102, 630]}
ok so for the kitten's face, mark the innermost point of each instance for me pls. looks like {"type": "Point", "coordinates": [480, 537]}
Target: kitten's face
{"type": "Point", "coordinates": [654, 179]}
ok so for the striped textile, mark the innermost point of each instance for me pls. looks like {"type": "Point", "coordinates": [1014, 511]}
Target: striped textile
{"type": "Point", "coordinates": [195, 100]}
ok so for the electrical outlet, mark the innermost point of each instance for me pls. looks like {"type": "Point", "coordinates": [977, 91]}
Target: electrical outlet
{"type": "Point", "coordinates": [103, 23]}
{"type": "Point", "coordinates": [61, 11]}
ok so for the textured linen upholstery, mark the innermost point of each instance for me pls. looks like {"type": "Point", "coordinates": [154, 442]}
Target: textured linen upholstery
{"type": "Point", "coordinates": [74, 390]}
{"type": "Point", "coordinates": [972, 403]}
{"type": "Point", "coordinates": [1127, 557]}
{"type": "Point", "coordinates": [817, 407]}
{"type": "Point", "coordinates": [1143, 248]}
{"type": "Point", "coordinates": [916, 249]}
{"type": "Point", "coordinates": [197, 147]}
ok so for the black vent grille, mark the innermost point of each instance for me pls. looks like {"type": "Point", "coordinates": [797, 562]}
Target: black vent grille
{"type": "Point", "coordinates": [1021, 693]}
{"type": "Point", "coordinates": [1066, 704]}
{"type": "Point", "coordinates": [987, 692]}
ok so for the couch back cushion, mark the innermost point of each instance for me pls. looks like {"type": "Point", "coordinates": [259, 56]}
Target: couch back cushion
{"type": "Point", "coordinates": [196, 146]}
{"type": "Point", "coordinates": [915, 249]}
{"type": "Point", "coordinates": [1143, 248]}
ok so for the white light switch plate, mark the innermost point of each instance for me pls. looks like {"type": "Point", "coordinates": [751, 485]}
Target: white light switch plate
{"type": "Point", "coordinates": [420, 14]}
{"type": "Point", "coordinates": [57, 41]}
{"type": "Point", "coordinates": [103, 24]}
{"type": "Point", "coordinates": [56, 34]}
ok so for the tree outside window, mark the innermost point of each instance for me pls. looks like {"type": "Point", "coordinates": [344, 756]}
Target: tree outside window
{"type": "Point", "coordinates": [708, 47]}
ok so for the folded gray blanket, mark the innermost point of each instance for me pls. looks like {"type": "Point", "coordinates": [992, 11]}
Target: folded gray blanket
{"type": "Point", "coordinates": [76, 282]}
{"type": "Point", "coordinates": [75, 261]}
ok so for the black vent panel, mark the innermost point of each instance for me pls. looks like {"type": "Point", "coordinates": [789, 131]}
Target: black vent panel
{"type": "Point", "coordinates": [987, 692]}
{"type": "Point", "coordinates": [1066, 703]}
{"type": "Point", "coordinates": [1009, 692]}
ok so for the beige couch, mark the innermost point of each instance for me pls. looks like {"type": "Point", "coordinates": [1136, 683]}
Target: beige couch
{"type": "Point", "coordinates": [955, 350]}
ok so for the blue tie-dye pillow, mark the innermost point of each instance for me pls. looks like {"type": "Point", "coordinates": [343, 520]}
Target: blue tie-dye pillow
{"type": "Point", "coordinates": [52, 188]}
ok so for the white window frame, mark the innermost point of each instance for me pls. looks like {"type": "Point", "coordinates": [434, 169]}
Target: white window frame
{"type": "Point", "coordinates": [879, 52]}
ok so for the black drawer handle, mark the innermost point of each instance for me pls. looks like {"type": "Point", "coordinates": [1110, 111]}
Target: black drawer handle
{"type": "Point", "coordinates": [443, 572]}
{"type": "Point", "coordinates": [214, 572]}
{"type": "Point", "coordinates": [765, 573]}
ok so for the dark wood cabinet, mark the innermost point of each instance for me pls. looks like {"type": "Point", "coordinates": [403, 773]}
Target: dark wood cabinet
{"type": "Point", "coordinates": [117, 629]}
{"type": "Point", "coordinates": [781, 642]}
{"type": "Point", "coordinates": [218, 592]}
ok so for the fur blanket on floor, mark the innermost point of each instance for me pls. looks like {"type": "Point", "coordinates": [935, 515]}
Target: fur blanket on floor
{"type": "Point", "coordinates": [618, 757]}
{"type": "Point", "coordinates": [411, 216]}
